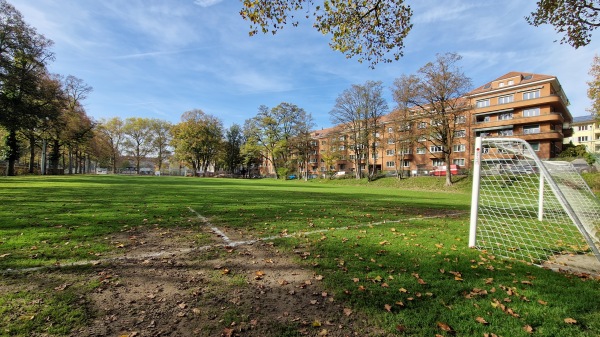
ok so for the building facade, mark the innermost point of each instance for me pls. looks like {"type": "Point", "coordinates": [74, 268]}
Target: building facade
{"type": "Point", "coordinates": [586, 131]}
{"type": "Point", "coordinates": [523, 105]}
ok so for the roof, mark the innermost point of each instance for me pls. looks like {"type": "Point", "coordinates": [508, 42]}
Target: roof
{"type": "Point", "coordinates": [584, 119]}
{"type": "Point", "coordinates": [523, 78]}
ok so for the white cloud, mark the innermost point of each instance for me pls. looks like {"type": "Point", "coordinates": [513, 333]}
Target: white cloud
{"type": "Point", "coordinates": [207, 3]}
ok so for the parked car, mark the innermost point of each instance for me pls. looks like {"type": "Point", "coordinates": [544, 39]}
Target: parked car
{"type": "Point", "coordinates": [441, 170]}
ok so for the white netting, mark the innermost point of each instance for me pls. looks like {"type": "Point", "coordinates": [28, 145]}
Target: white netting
{"type": "Point", "coordinates": [529, 212]}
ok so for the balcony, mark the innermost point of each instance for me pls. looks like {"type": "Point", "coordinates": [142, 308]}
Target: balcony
{"type": "Point", "coordinates": [492, 121]}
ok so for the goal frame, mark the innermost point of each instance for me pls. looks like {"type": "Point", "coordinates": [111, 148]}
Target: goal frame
{"type": "Point", "coordinates": [545, 178]}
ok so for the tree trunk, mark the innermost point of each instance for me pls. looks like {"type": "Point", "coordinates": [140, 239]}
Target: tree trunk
{"type": "Point", "coordinates": [31, 153]}
{"type": "Point", "coordinates": [13, 152]}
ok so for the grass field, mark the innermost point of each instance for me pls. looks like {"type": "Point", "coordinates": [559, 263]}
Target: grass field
{"type": "Point", "coordinates": [394, 251]}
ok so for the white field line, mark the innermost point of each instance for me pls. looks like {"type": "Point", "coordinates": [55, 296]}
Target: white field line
{"type": "Point", "coordinates": [227, 240]}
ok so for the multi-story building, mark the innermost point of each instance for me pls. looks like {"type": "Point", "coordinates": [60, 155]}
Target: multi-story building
{"type": "Point", "coordinates": [524, 105]}
{"type": "Point", "coordinates": [586, 131]}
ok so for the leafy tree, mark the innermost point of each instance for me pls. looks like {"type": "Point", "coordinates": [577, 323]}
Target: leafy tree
{"type": "Point", "coordinates": [161, 138]}
{"type": "Point", "coordinates": [576, 19]}
{"type": "Point", "coordinates": [594, 87]}
{"type": "Point", "coordinates": [364, 28]}
{"type": "Point", "coordinates": [115, 135]}
{"type": "Point", "coordinates": [25, 54]}
{"type": "Point", "coordinates": [197, 139]}
{"type": "Point", "coordinates": [273, 130]}
{"type": "Point", "coordinates": [234, 139]}
{"type": "Point", "coordinates": [358, 110]}
{"type": "Point", "coordinates": [139, 138]}
{"type": "Point", "coordinates": [577, 151]}
{"type": "Point", "coordinates": [437, 91]}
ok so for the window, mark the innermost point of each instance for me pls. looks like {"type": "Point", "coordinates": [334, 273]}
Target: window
{"type": "Point", "coordinates": [505, 116]}
{"type": "Point", "coordinates": [511, 82]}
{"type": "Point", "coordinates": [438, 162]}
{"type": "Point", "coordinates": [508, 132]}
{"type": "Point", "coordinates": [460, 119]}
{"type": "Point", "coordinates": [390, 152]}
{"type": "Point", "coordinates": [374, 155]}
{"type": "Point", "coordinates": [436, 122]}
{"type": "Point", "coordinates": [323, 142]}
{"type": "Point", "coordinates": [436, 148]}
{"type": "Point", "coordinates": [459, 161]}
{"type": "Point", "coordinates": [582, 128]}
{"type": "Point", "coordinates": [459, 148]}
{"type": "Point", "coordinates": [406, 151]}
{"type": "Point", "coordinates": [313, 160]}
{"type": "Point", "coordinates": [422, 125]}
{"type": "Point", "coordinates": [501, 84]}
{"type": "Point", "coordinates": [506, 99]}
{"type": "Point", "coordinates": [390, 130]}
{"type": "Point", "coordinates": [529, 129]}
{"type": "Point", "coordinates": [390, 164]}
{"type": "Point", "coordinates": [390, 141]}
{"type": "Point", "coordinates": [342, 147]}
{"type": "Point", "coordinates": [582, 139]}
{"type": "Point", "coordinates": [422, 139]}
{"type": "Point", "coordinates": [531, 112]}
{"type": "Point", "coordinates": [352, 157]}
{"type": "Point", "coordinates": [482, 103]}
{"type": "Point", "coordinates": [421, 150]}
{"type": "Point", "coordinates": [342, 138]}
{"type": "Point", "coordinates": [531, 94]}
{"type": "Point", "coordinates": [460, 133]}
{"type": "Point", "coordinates": [313, 143]}
{"type": "Point", "coordinates": [535, 146]}
{"type": "Point", "coordinates": [406, 163]}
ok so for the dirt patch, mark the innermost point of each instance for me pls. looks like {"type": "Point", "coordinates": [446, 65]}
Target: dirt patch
{"type": "Point", "coordinates": [582, 265]}
{"type": "Point", "coordinates": [163, 284]}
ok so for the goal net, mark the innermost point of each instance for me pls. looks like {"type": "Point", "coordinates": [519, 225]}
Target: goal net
{"type": "Point", "coordinates": [528, 209]}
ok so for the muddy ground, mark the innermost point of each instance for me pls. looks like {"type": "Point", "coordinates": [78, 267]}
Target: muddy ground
{"type": "Point", "coordinates": [164, 284]}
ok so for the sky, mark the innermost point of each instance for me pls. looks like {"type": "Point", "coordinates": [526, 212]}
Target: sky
{"type": "Point", "coordinates": [161, 58]}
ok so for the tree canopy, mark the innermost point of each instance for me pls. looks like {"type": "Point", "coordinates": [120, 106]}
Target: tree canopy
{"type": "Point", "coordinates": [575, 19]}
{"type": "Point", "coordinates": [364, 28]}
{"type": "Point", "coordinates": [594, 87]}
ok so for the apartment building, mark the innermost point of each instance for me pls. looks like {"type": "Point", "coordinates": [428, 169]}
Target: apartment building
{"type": "Point", "coordinates": [524, 105]}
{"type": "Point", "coordinates": [586, 131]}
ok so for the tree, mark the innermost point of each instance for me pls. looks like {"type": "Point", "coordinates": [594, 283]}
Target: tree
{"type": "Point", "coordinates": [594, 87]}
{"type": "Point", "coordinates": [114, 133]}
{"type": "Point", "coordinates": [233, 145]}
{"type": "Point", "coordinates": [161, 134]}
{"type": "Point", "coordinates": [358, 111]}
{"type": "Point", "coordinates": [197, 139]}
{"type": "Point", "coordinates": [437, 93]}
{"type": "Point", "coordinates": [139, 138]}
{"type": "Point", "coordinates": [273, 130]}
{"type": "Point", "coordinates": [364, 28]}
{"type": "Point", "coordinates": [302, 144]}
{"type": "Point", "coordinates": [25, 54]}
{"type": "Point", "coordinates": [576, 19]}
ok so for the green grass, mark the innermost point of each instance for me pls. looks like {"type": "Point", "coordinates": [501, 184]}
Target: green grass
{"type": "Point", "coordinates": [395, 251]}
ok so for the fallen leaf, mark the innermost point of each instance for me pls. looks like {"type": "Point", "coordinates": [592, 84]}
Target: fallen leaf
{"type": "Point", "coordinates": [323, 332]}
{"type": "Point", "coordinates": [313, 302]}
{"type": "Point", "coordinates": [528, 329]}
{"type": "Point", "coordinates": [62, 287]}
{"type": "Point", "coordinates": [481, 320]}
{"type": "Point", "coordinates": [570, 321]}
{"type": "Point", "coordinates": [444, 327]}
{"type": "Point", "coordinates": [319, 277]}
{"type": "Point", "coordinates": [542, 302]}
{"type": "Point", "coordinates": [402, 290]}
{"type": "Point", "coordinates": [400, 328]}
{"type": "Point", "coordinates": [355, 280]}
{"type": "Point", "coordinates": [225, 271]}
{"type": "Point", "coordinates": [347, 311]}
{"type": "Point", "coordinates": [316, 323]}
{"type": "Point", "coordinates": [388, 307]}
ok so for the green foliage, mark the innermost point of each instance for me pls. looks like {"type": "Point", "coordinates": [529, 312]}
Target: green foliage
{"type": "Point", "coordinates": [367, 29]}
{"type": "Point", "coordinates": [594, 87]}
{"type": "Point", "coordinates": [577, 151]}
{"type": "Point", "coordinates": [576, 19]}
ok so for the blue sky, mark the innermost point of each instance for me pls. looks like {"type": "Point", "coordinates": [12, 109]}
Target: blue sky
{"type": "Point", "coordinates": [160, 58]}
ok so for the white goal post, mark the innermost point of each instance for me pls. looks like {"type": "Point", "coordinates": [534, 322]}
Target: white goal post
{"type": "Point", "coordinates": [527, 209]}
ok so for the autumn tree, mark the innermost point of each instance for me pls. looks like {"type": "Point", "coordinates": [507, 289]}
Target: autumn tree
{"type": "Point", "coordinates": [364, 28]}
{"type": "Point", "coordinates": [436, 95]}
{"type": "Point", "coordinates": [25, 54]}
{"type": "Point", "coordinates": [115, 135]}
{"type": "Point", "coordinates": [594, 87]}
{"type": "Point", "coordinates": [358, 110]}
{"type": "Point", "coordinates": [161, 138]}
{"type": "Point", "coordinates": [273, 130]}
{"type": "Point", "coordinates": [575, 19]}
{"type": "Point", "coordinates": [139, 139]}
{"type": "Point", "coordinates": [197, 139]}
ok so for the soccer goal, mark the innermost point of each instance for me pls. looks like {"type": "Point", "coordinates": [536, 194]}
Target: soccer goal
{"type": "Point", "coordinates": [527, 209]}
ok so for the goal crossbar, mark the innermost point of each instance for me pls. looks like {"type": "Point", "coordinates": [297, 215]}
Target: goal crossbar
{"type": "Point", "coordinates": [529, 209]}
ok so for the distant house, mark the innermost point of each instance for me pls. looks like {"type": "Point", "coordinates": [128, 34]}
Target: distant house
{"type": "Point", "coordinates": [586, 131]}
